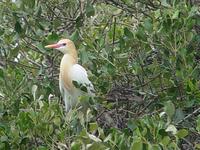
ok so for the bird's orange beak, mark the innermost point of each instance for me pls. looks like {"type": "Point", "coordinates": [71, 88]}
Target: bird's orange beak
{"type": "Point", "coordinates": [53, 45]}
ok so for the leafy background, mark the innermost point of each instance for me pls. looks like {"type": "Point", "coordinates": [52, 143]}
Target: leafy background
{"type": "Point", "coordinates": [142, 57]}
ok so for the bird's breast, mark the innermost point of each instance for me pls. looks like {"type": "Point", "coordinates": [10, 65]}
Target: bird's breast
{"type": "Point", "coordinates": [65, 73]}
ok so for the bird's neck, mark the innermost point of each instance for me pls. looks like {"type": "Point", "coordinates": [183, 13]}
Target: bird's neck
{"type": "Point", "coordinates": [73, 55]}
{"type": "Point", "coordinates": [72, 52]}
{"type": "Point", "coordinates": [67, 62]}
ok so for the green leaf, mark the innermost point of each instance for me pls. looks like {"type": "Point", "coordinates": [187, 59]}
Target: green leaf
{"type": "Point", "coordinates": [75, 36]}
{"type": "Point", "coordinates": [179, 115]}
{"type": "Point", "coordinates": [197, 146]}
{"type": "Point", "coordinates": [42, 148]}
{"type": "Point", "coordinates": [96, 146]}
{"type": "Point", "coordinates": [132, 125]}
{"type": "Point", "coordinates": [165, 141]}
{"type": "Point", "coordinates": [90, 11]}
{"type": "Point", "coordinates": [84, 56]}
{"type": "Point", "coordinates": [163, 132]}
{"type": "Point", "coordinates": [108, 138]}
{"type": "Point", "coordinates": [50, 129]}
{"type": "Point", "coordinates": [93, 126]}
{"type": "Point", "coordinates": [34, 89]}
{"type": "Point", "coordinates": [193, 11]}
{"type": "Point", "coordinates": [169, 109]}
{"type": "Point", "coordinates": [148, 25]}
{"type": "Point", "coordinates": [53, 37]}
{"type": "Point", "coordinates": [15, 52]}
{"type": "Point", "coordinates": [164, 3]}
{"type": "Point", "coordinates": [182, 133]}
{"type": "Point", "coordinates": [176, 14]}
{"type": "Point", "coordinates": [18, 27]}
{"type": "Point", "coordinates": [94, 138]}
{"type": "Point", "coordinates": [128, 33]}
{"type": "Point", "coordinates": [57, 23]}
{"type": "Point", "coordinates": [83, 88]}
{"type": "Point", "coordinates": [57, 121]}
{"type": "Point", "coordinates": [24, 141]}
{"type": "Point", "coordinates": [157, 13]}
{"type": "Point", "coordinates": [140, 34]}
{"type": "Point", "coordinates": [38, 11]}
{"type": "Point", "coordinates": [137, 145]}
{"type": "Point", "coordinates": [24, 121]}
{"type": "Point", "coordinates": [154, 147]}
{"type": "Point", "coordinates": [5, 145]}
{"type": "Point", "coordinates": [111, 69]}
{"type": "Point", "coordinates": [1, 31]}
{"type": "Point", "coordinates": [75, 83]}
{"type": "Point", "coordinates": [29, 3]}
{"type": "Point", "coordinates": [198, 124]}
{"type": "Point", "coordinates": [1, 74]}
{"type": "Point", "coordinates": [76, 145]}
{"type": "Point", "coordinates": [79, 21]}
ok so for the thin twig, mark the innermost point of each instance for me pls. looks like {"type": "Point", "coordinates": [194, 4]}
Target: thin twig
{"type": "Point", "coordinates": [188, 116]}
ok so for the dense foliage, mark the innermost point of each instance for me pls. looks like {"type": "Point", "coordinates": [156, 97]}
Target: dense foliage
{"type": "Point", "coordinates": [141, 55]}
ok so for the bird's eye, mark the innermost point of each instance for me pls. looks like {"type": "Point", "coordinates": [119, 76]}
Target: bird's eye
{"type": "Point", "coordinates": [64, 44]}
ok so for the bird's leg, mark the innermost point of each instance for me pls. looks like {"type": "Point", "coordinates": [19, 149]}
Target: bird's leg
{"type": "Point", "coordinates": [67, 101]}
{"type": "Point", "coordinates": [66, 106]}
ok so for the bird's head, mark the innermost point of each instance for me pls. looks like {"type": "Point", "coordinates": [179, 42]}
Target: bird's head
{"type": "Point", "coordinates": [64, 45]}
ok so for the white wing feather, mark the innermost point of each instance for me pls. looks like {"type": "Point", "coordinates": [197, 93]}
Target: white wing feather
{"type": "Point", "coordinates": [79, 74]}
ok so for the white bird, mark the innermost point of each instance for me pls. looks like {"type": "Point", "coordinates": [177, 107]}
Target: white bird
{"type": "Point", "coordinates": [71, 74]}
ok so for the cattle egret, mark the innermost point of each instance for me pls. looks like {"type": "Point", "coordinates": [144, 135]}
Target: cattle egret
{"type": "Point", "coordinates": [71, 73]}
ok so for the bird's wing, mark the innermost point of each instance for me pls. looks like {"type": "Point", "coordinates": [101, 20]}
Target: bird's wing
{"type": "Point", "coordinates": [79, 74]}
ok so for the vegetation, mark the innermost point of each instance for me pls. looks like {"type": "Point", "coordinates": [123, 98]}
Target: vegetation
{"type": "Point", "coordinates": [142, 57]}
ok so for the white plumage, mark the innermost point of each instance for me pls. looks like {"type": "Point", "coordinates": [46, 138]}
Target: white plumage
{"type": "Point", "coordinates": [78, 74]}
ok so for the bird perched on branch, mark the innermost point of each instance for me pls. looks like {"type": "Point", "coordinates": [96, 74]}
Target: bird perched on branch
{"type": "Point", "coordinates": [73, 78]}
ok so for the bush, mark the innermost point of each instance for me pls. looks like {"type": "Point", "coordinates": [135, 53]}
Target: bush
{"type": "Point", "coordinates": [141, 56]}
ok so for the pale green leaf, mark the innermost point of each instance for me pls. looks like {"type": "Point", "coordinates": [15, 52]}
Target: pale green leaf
{"type": "Point", "coordinates": [182, 133]}
{"type": "Point", "coordinates": [171, 128]}
{"type": "Point", "coordinates": [34, 89]}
